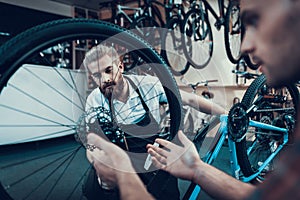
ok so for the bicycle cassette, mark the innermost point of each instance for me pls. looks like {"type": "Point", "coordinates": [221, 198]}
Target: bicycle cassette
{"type": "Point", "coordinates": [98, 120]}
{"type": "Point", "coordinates": [238, 122]}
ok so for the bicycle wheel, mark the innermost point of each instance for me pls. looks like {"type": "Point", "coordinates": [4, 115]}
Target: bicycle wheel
{"type": "Point", "coordinates": [188, 123]}
{"type": "Point", "coordinates": [146, 28]}
{"type": "Point", "coordinates": [197, 38]}
{"type": "Point", "coordinates": [172, 48]}
{"type": "Point", "coordinates": [149, 29]}
{"type": "Point", "coordinates": [130, 59]}
{"type": "Point", "coordinates": [233, 32]}
{"type": "Point", "coordinates": [276, 107]}
{"type": "Point", "coordinates": [41, 157]}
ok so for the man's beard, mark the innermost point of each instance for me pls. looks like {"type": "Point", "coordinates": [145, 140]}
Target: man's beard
{"type": "Point", "coordinates": [108, 92]}
{"type": "Point", "coordinates": [108, 89]}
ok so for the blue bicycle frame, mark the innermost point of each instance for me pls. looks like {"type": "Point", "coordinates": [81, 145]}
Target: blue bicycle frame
{"type": "Point", "coordinates": [221, 135]}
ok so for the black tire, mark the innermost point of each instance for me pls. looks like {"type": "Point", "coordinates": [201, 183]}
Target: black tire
{"type": "Point", "coordinates": [36, 152]}
{"type": "Point", "coordinates": [172, 48]}
{"type": "Point", "coordinates": [249, 163]}
{"type": "Point", "coordinates": [233, 32]}
{"type": "Point", "coordinates": [130, 60]}
{"type": "Point", "coordinates": [250, 64]}
{"type": "Point", "coordinates": [197, 35]}
{"type": "Point", "coordinates": [148, 29]}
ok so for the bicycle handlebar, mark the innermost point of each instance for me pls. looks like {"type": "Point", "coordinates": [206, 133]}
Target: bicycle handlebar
{"type": "Point", "coordinates": [194, 86]}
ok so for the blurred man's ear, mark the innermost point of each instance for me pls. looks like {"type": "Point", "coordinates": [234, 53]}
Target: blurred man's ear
{"type": "Point", "coordinates": [121, 66]}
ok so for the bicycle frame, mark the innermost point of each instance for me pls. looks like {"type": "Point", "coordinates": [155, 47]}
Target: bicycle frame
{"type": "Point", "coordinates": [219, 139]}
{"type": "Point", "coordinates": [166, 5]}
{"type": "Point", "coordinates": [220, 18]}
{"type": "Point", "coordinates": [120, 12]}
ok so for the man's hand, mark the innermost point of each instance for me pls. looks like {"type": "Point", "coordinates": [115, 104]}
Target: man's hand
{"type": "Point", "coordinates": [113, 166]}
{"type": "Point", "coordinates": [108, 159]}
{"type": "Point", "coordinates": [103, 166]}
{"type": "Point", "coordinates": [180, 161]}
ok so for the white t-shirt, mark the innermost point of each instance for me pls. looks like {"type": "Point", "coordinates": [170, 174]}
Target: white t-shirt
{"type": "Point", "coordinates": [132, 110]}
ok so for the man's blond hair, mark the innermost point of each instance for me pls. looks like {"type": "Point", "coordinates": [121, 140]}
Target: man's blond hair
{"type": "Point", "coordinates": [97, 52]}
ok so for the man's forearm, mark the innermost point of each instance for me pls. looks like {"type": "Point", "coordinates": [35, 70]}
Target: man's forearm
{"type": "Point", "coordinates": [131, 187]}
{"type": "Point", "coordinates": [201, 104]}
{"type": "Point", "coordinates": [220, 185]}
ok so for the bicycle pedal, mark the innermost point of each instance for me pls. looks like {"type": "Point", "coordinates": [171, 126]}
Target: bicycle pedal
{"type": "Point", "coordinates": [148, 161]}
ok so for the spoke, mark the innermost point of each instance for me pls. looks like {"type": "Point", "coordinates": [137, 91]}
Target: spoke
{"type": "Point", "coordinates": [67, 82]}
{"type": "Point", "coordinates": [129, 96]}
{"type": "Point", "coordinates": [36, 125]}
{"type": "Point", "coordinates": [133, 116]}
{"type": "Point", "coordinates": [57, 91]}
{"type": "Point", "coordinates": [63, 172]}
{"type": "Point", "coordinates": [101, 100]}
{"type": "Point", "coordinates": [78, 183]}
{"type": "Point", "coordinates": [133, 107]}
{"type": "Point", "coordinates": [35, 158]}
{"type": "Point", "coordinates": [52, 172]}
{"type": "Point", "coordinates": [37, 170]}
{"type": "Point", "coordinates": [40, 102]}
{"type": "Point", "coordinates": [143, 97]}
{"type": "Point", "coordinates": [33, 115]}
{"type": "Point", "coordinates": [76, 89]}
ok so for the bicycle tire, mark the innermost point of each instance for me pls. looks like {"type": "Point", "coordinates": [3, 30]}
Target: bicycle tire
{"type": "Point", "coordinates": [170, 51]}
{"type": "Point", "coordinates": [245, 160]}
{"type": "Point", "coordinates": [18, 50]}
{"type": "Point", "coordinates": [188, 128]}
{"type": "Point", "coordinates": [142, 26]}
{"type": "Point", "coordinates": [130, 60]}
{"type": "Point", "coordinates": [197, 44]}
{"type": "Point", "coordinates": [250, 64]}
{"type": "Point", "coordinates": [232, 32]}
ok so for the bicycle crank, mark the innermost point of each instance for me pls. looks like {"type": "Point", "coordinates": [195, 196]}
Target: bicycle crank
{"type": "Point", "coordinates": [238, 122]}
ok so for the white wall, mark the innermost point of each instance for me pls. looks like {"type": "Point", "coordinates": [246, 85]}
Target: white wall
{"type": "Point", "coordinates": [41, 102]}
{"type": "Point", "coordinates": [219, 67]}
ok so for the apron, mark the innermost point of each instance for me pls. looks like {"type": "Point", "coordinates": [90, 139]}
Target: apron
{"type": "Point", "coordinates": [159, 183]}
{"type": "Point", "coordinates": [137, 136]}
